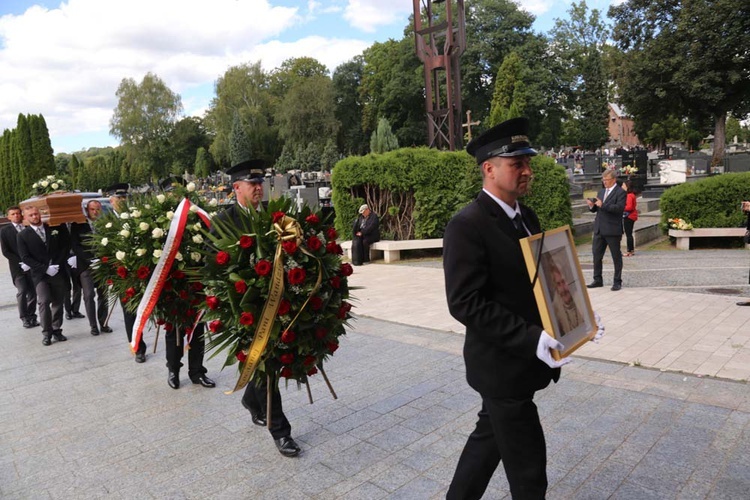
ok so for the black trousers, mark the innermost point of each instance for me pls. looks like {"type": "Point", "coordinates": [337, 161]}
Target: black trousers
{"type": "Point", "coordinates": [628, 224]}
{"type": "Point", "coordinates": [50, 294]}
{"type": "Point", "coordinates": [507, 429]}
{"type": "Point", "coordinates": [94, 299]}
{"type": "Point", "coordinates": [255, 397]}
{"type": "Point", "coordinates": [598, 245]}
{"type": "Point", "coordinates": [72, 292]}
{"type": "Point", "coordinates": [175, 347]}
{"type": "Point", "coordinates": [129, 319]}
{"type": "Point", "coordinates": [25, 297]}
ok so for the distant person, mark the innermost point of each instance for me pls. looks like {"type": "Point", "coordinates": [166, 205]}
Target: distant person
{"type": "Point", "coordinates": [630, 215]}
{"type": "Point", "coordinates": [19, 270]}
{"type": "Point", "coordinates": [746, 209]}
{"type": "Point", "coordinates": [366, 231]}
{"type": "Point", "coordinates": [608, 206]}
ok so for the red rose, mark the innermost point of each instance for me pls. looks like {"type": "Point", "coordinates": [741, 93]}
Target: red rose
{"type": "Point", "coordinates": [320, 333]}
{"type": "Point", "coordinates": [190, 313]}
{"type": "Point", "coordinates": [286, 372]}
{"type": "Point", "coordinates": [173, 313]}
{"type": "Point", "coordinates": [215, 326]}
{"type": "Point", "coordinates": [110, 282]}
{"type": "Point", "coordinates": [277, 216]}
{"type": "Point", "coordinates": [122, 272]}
{"type": "Point", "coordinates": [331, 234]}
{"type": "Point", "coordinates": [316, 303]}
{"type": "Point", "coordinates": [247, 318]}
{"type": "Point", "coordinates": [105, 260]}
{"type": "Point", "coordinates": [289, 247]}
{"type": "Point", "coordinates": [331, 247]}
{"type": "Point", "coordinates": [332, 346]}
{"type": "Point", "coordinates": [124, 300]}
{"type": "Point", "coordinates": [309, 360]}
{"type": "Point", "coordinates": [312, 219]}
{"type": "Point", "coordinates": [130, 292]}
{"type": "Point", "coordinates": [343, 310]}
{"type": "Point", "coordinates": [240, 286]}
{"type": "Point", "coordinates": [184, 294]}
{"type": "Point", "coordinates": [241, 356]}
{"type": "Point", "coordinates": [143, 272]}
{"type": "Point", "coordinates": [284, 307]}
{"type": "Point", "coordinates": [160, 321]}
{"type": "Point", "coordinates": [222, 258]}
{"type": "Point", "coordinates": [246, 241]}
{"type": "Point", "coordinates": [178, 274]}
{"type": "Point", "coordinates": [336, 282]}
{"type": "Point", "coordinates": [168, 327]}
{"type": "Point", "coordinates": [346, 306]}
{"type": "Point", "coordinates": [167, 285]}
{"type": "Point", "coordinates": [296, 275]}
{"type": "Point", "coordinates": [346, 269]}
{"type": "Point", "coordinates": [196, 285]}
{"type": "Point", "coordinates": [339, 250]}
{"type": "Point", "coordinates": [313, 243]}
{"type": "Point", "coordinates": [288, 336]}
{"type": "Point", "coordinates": [262, 267]}
{"type": "Point", "coordinates": [312, 371]}
{"type": "Point", "coordinates": [287, 358]}
{"type": "Point", "coordinates": [212, 302]}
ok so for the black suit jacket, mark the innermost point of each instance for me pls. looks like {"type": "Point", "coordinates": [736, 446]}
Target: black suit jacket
{"type": "Point", "coordinates": [39, 255]}
{"type": "Point", "coordinates": [9, 245]}
{"type": "Point", "coordinates": [80, 233]}
{"type": "Point", "coordinates": [608, 221]}
{"type": "Point", "coordinates": [369, 227]}
{"type": "Point", "coordinates": [489, 291]}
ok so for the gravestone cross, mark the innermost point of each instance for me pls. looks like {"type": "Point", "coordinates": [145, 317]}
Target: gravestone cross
{"type": "Point", "coordinates": [469, 124]}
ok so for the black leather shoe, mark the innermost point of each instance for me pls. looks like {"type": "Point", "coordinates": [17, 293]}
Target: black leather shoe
{"type": "Point", "coordinates": [203, 380]}
{"type": "Point", "coordinates": [106, 329]}
{"type": "Point", "coordinates": [173, 379]}
{"type": "Point", "coordinates": [26, 324]}
{"type": "Point", "coordinates": [68, 316]}
{"type": "Point", "coordinates": [57, 334]}
{"type": "Point", "coordinates": [743, 303]}
{"type": "Point", "coordinates": [616, 287]}
{"type": "Point", "coordinates": [33, 323]}
{"type": "Point", "coordinates": [46, 340]}
{"type": "Point", "coordinates": [257, 417]}
{"type": "Point", "coordinates": [140, 357]}
{"type": "Point", "coordinates": [595, 285]}
{"type": "Point", "coordinates": [287, 446]}
{"type": "Point", "coordinates": [78, 315]}
{"type": "Point", "coordinates": [94, 331]}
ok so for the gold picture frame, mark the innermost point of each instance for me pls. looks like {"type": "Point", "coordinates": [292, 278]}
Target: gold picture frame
{"type": "Point", "coordinates": [560, 290]}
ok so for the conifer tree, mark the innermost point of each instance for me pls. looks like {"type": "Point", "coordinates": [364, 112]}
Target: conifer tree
{"type": "Point", "coordinates": [510, 97]}
{"type": "Point", "coordinates": [239, 144]}
{"type": "Point", "coordinates": [383, 139]}
{"type": "Point", "coordinates": [24, 155]}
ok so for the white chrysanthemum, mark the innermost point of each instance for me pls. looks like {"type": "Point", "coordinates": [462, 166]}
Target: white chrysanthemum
{"type": "Point", "coordinates": [34, 186]}
{"type": "Point", "coordinates": [55, 185]}
{"type": "Point", "coordinates": [45, 184]}
{"type": "Point", "coordinates": [198, 238]}
{"type": "Point", "coordinates": [125, 233]}
{"type": "Point", "coordinates": [195, 256]}
{"type": "Point", "coordinates": [104, 242]}
{"type": "Point", "coordinates": [160, 198]}
{"type": "Point", "coordinates": [178, 256]}
{"type": "Point", "coordinates": [194, 208]}
{"type": "Point", "coordinates": [143, 226]}
{"type": "Point", "coordinates": [108, 225]}
{"type": "Point", "coordinates": [140, 252]}
{"type": "Point", "coordinates": [170, 215]}
{"type": "Point", "coordinates": [157, 253]}
{"type": "Point", "coordinates": [120, 255]}
{"type": "Point", "coordinates": [136, 213]}
{"type": "Point", "coordinates": [147, 206]}
{"type": "Point", "coordinates": [197, 226]}
{"type": "Point", "coordinates": [124, 215]}
{"type": "Point", "coordinates": [157, 233]}
{"type": "Point", "coordinates": [190, 187]}
{"type": "Point", "coordinates": [213, 202]}
{"type": "Point", "coordinates": [50, 177]}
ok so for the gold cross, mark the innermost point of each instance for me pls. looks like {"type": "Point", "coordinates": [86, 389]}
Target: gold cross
{"type": "Point", "coordinates": [469, 124]}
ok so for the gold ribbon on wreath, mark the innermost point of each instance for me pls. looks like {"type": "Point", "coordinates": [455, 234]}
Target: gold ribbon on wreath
{"type": "Point", "coordinates": [287, 229]}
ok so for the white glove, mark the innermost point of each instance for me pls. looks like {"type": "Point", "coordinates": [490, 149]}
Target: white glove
{"type": "Point", "coordinates": [53, 270]}
{"type": "Point", "coordinates": [24, 267]}
{"type": "Point", "coordinates": [542, 351]}
{"type": "Point", "coordinates": [73, 261]}
{"type": "Point", "coordinates": [94, 263]}
{"type": "Point", "coordinates": [599, 328]}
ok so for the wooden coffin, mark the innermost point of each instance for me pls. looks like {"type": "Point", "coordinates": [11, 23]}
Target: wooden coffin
{"type": "Point", "coordinates": [57, 208]}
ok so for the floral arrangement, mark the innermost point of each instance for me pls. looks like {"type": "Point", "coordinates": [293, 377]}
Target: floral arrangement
{"type": "Point", "coordinates": [629, 170]}
{"type": "Point", "coordinates": [47, 185]}
{"type": "Point", "coordinates": [276, 291]}
{"type": "Point", "coordinates": [130, 245]}
{"type": "Point", "coordinates": [680, 224]}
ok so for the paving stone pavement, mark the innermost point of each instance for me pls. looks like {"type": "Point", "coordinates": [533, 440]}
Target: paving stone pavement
{"type": "Point", "coordinates": [80, 419]}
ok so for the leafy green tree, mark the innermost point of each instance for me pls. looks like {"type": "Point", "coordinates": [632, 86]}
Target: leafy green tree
{"type": "Point", "coordinates": [593, 111]}
{"type": "Point", "coordinates": [307, 112]}
{"type": "Point", "coordinates": [734, 129]}
{"type": "Point", "coordinates": [329, 156]}
{"type": "Point", "coordinates": [188, 136]}
{"type": "Point", "coordinates": [143, 120]}
{"type": "Point", "coordinates": [293, 71]}
{"type": "Point", "coordinates": [509, 99]}
{"type": "Point", "coordinates": [203, 162]}
{"type": "Point", "coordinates": [348, 106]}
{"type": "Point", "coordinates": [690, 55]}
{"type": "Point", "coordinates": [383, 139]}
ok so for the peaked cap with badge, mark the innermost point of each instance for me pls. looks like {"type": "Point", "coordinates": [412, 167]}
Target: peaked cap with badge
{"type": "Point", "coordinates": [509, 138]}
{"type": "Point", "coordinates": [169, 183]}
{"type": "Point", "coordinates": [119, 189]}
{"type": "Point", "coordinates": [248, 170]}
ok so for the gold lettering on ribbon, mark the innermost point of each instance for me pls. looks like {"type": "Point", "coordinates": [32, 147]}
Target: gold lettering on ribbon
{"type": "Point", "coordinates": [286, 229]}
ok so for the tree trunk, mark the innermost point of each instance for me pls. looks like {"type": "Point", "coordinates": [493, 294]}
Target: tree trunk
{"type": "Point", "coordinates": [720, 130]}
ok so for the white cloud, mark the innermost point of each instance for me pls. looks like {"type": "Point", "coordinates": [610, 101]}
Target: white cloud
{"type": "Point", "coordinates": [538, 7]}
{"type": "Point", "coordinates": [367, 15]}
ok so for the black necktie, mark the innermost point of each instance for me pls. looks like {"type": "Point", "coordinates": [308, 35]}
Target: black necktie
{"type": "Point", "coordinates": [518, 222]}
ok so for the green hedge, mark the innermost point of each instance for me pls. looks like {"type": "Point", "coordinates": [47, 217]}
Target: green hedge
{"type": "Point", "coordinates": [711, 202]}
{"type": "Point", "coordinates": [416, 191]}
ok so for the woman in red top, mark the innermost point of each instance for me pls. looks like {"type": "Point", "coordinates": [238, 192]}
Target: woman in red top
{"type": "Point", "coordinates": [630, 215]}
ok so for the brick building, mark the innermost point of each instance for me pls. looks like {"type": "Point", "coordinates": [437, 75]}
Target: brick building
{"type": "Point", "coordinates": [621, 128]}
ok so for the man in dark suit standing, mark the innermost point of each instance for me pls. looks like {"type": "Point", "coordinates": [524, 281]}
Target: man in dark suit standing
{"type": "Point", "coordinates": [506, 351]}
{"type": "Point", "coordinates": [45, 249]}
{"type": "Point", "coordinates": [608, 206]}
{"type": "Point", "coordinates": [19, 271]}
{"type": "Point", "coordinates": [80, 263]}
{"type": "Point", "coordinates": [247, 183]}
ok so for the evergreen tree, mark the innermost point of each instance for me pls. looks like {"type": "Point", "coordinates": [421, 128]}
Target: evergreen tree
{"type": "Point", "coordinates": [24, 157]}
{"type": "Point", "coordinates": [41, 148]}
{"type": "Point", "coordinates": [592, 103]}
{"type": "Point", "coordinates": [330, 155]}
{"type": "Point", "coordinates": [203, 163]}
{"type": "Point", "coordinates": [509, 99]}
{"type": "Point", "coordinates": [239, 144]}
{"type": "Point", "coordinates": [383, 139]}
{"type": "Point", "coordinates": [285, 161]}
{"type": "Point", "coordinates": [5, 186]}
{"type": "Point", "coordinates": [73, 168]}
